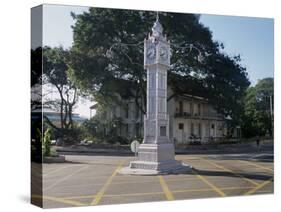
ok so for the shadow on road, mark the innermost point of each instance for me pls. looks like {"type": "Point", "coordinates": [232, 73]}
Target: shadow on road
{"type": "Point", "coordinates": [253, 176]}
{"type": "Point", "coordinates": [123, 154]}
{"type": "Point", "coordinates": [254, 158]}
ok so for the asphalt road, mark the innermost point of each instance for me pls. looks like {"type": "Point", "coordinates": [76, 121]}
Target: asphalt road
{"type": "Point", "coordinates": [93, 180]}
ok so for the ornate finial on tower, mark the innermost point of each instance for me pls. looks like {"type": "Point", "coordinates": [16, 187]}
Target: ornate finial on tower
{"type": "Point", "coordinates": [157, 15]}
{"type": "Point", "coordinates": [157, 28]}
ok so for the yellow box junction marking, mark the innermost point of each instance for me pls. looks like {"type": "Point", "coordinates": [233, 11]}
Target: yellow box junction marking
{"type": "Point", "coordinates": [256, 165]}
{"type": "Point", "coordinates": [169, 195]}
{"type": "Point", "coordinates": [65, 178]}
{"type": "Point", "coordinates": [209, 189]}
{"type": "Point", "coordinates": [60, 200]}
{"type": "Point", "coordinates": [99, 195]}
{"type": "Point", "coordinates": [68, 200]}
{"type": "Point", "coordinates": [215, 188]}
{"type": "Point", "coordinates": [258, 187]}
{"type": "Point", "coordinates": [56, 170]}
{"type": "Point", "coordinates": [232, 172]}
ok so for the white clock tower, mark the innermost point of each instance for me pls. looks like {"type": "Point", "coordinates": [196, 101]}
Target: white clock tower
{"type": "Point", "coordinates": [156, 155]}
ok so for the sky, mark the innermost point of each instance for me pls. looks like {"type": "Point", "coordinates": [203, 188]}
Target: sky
{"type": "Point", "coordinates": [252, 38]}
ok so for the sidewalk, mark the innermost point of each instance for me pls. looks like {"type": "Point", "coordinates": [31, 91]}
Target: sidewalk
{"type": "Point", "coordinates": [189, 149]}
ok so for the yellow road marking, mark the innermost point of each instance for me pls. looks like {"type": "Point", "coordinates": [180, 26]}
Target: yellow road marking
{"type": "Point", "coordinates": [157, 193]}
{"type": "Point", "coordinates": [134, 194]}
{"type": "Point", "coordinates": [56, 170]}
{"type": "Point", "coordinates": [209, 189]}
{"type": "Point", "coordinates": [188, 158]}
{"type": "Point", "coordinates": [264, 192]}
{"type": "Point", "coordinates": [81, 197]}
{"type": "Point", "coordinates": [215, 188]}
{"type": "Point", "coordinates": [258, 187]}
{"type": "Point", "coordinates": [65, 178]}
{"type": "Point", "coordinates": [99, 195]}
{"type": "Point", "coordinates": [232, 172]}
{"type": "Point", "coordinates": [169, 195]}
{"type": "Point", "coordinates": [133, 182]}
{"type": "Point", "coordinates": [65, 199]}
{"type": "Point", "coordinates": [113, 195]}
{"type": "Point", "coordinates": [153, 181]}
{"type": "Point", "coordinates": [256, 165]}
{"type": "Point", "coordinates": [235, 188]}
{"type": "Point", "coordinates": [61, 200]}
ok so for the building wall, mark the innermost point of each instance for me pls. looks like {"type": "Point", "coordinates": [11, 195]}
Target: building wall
{"type": "Point", "coordinates": [190, 118]}
{"type": "Point", "coordinates": [194, 118]}
{"type": "Point", "coordinates": [130, 116]}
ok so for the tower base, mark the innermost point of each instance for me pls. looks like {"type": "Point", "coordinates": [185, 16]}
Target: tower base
{"type": "Point", "coordinates": [156, 159]}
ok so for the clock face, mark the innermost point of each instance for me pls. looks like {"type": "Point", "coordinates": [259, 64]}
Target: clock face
{"type": "Point", "coordinates": [164, 53]}
{"type": "Point", "coordinates": [151, 52]}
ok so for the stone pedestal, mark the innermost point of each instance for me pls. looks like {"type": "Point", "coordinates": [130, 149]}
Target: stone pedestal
{"type": "Point", "coordinates": [154, 159]}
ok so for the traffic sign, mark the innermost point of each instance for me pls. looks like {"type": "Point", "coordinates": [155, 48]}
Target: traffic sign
{"type": "Point", "coordinates": [135, 146]}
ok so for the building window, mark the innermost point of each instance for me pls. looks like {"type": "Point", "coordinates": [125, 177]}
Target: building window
{"type": "Point", "coordinates": [181, 126]}
{"type": "Point", "coordinates": [194, 109]}
{"type": "Point", "coordinates": [137, 113]}
{"type": "Point", "coordinates": [127, 111]}
{"type": "Point", "coordinates": [162, 130]}
{"type": "Point", "coordinates": [137, 130]}
{"type": "Point", "coordinates": [180, 107]}
{"type": "Point", "coordinates": [199, 129]}
{"type": "Point", "coordinates": [189, 107]}
{"type": "Point", "coordinates": [238, 132]}
{"type": "Point", "coordinates": [199, 109]}
{"type": "Point", "coordinates": [192, 128]}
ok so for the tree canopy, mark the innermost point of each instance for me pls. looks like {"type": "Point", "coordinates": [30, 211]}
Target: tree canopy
{"type": "Point", "coordinates": [258, 109]}
{"type": "Point", "coordinates": [55, 74]}
{"type": "Point", "coordinates": [103, 73]}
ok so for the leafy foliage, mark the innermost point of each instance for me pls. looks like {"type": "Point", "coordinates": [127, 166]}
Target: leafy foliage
{"type": "Point", "coordinates": [55, 73]}
{"type": "Point", "coordinates": [36, 78]}
{"type": "Point", "coordinates": [36, 66]}
{"type": "Point", "coordinates": [103, 73]}
{"type": "Point", "coordinates": [257, 115]}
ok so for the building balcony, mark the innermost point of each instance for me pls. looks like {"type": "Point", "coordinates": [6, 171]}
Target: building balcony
{"type": "Point", "coordinates": [187, 115]}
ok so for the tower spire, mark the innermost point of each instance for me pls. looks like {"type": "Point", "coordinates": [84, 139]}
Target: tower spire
{"type": "Point", "coordinates": [157, 28]}
{"type": "Point", "coordinates": [157, 16]}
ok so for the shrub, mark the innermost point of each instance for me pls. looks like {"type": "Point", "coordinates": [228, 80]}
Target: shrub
{"type": "Point", "coordinates": [47, 143]}
{"type": "Point", "coordinates": [117, 139]}
{"type": "Point", "coordinates": [36, 146]}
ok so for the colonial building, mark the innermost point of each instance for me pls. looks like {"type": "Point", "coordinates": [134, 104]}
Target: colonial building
{"type": "Point", "coordinates": [192, 119]}
{"type": "Point", "coordinates": [127, 118]}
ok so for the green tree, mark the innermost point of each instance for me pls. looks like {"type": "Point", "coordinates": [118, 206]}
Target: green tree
{"type": "Point", "coordinates": [36, 104]}
{"type": "Point", "coordinates": [36, 78]}
{"type": "Point", "coordinates": [258, 114]}
{"type": "Point", "coordinates": [104, 73]}
{"type": "Point", "coordinates": [55, 75]}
